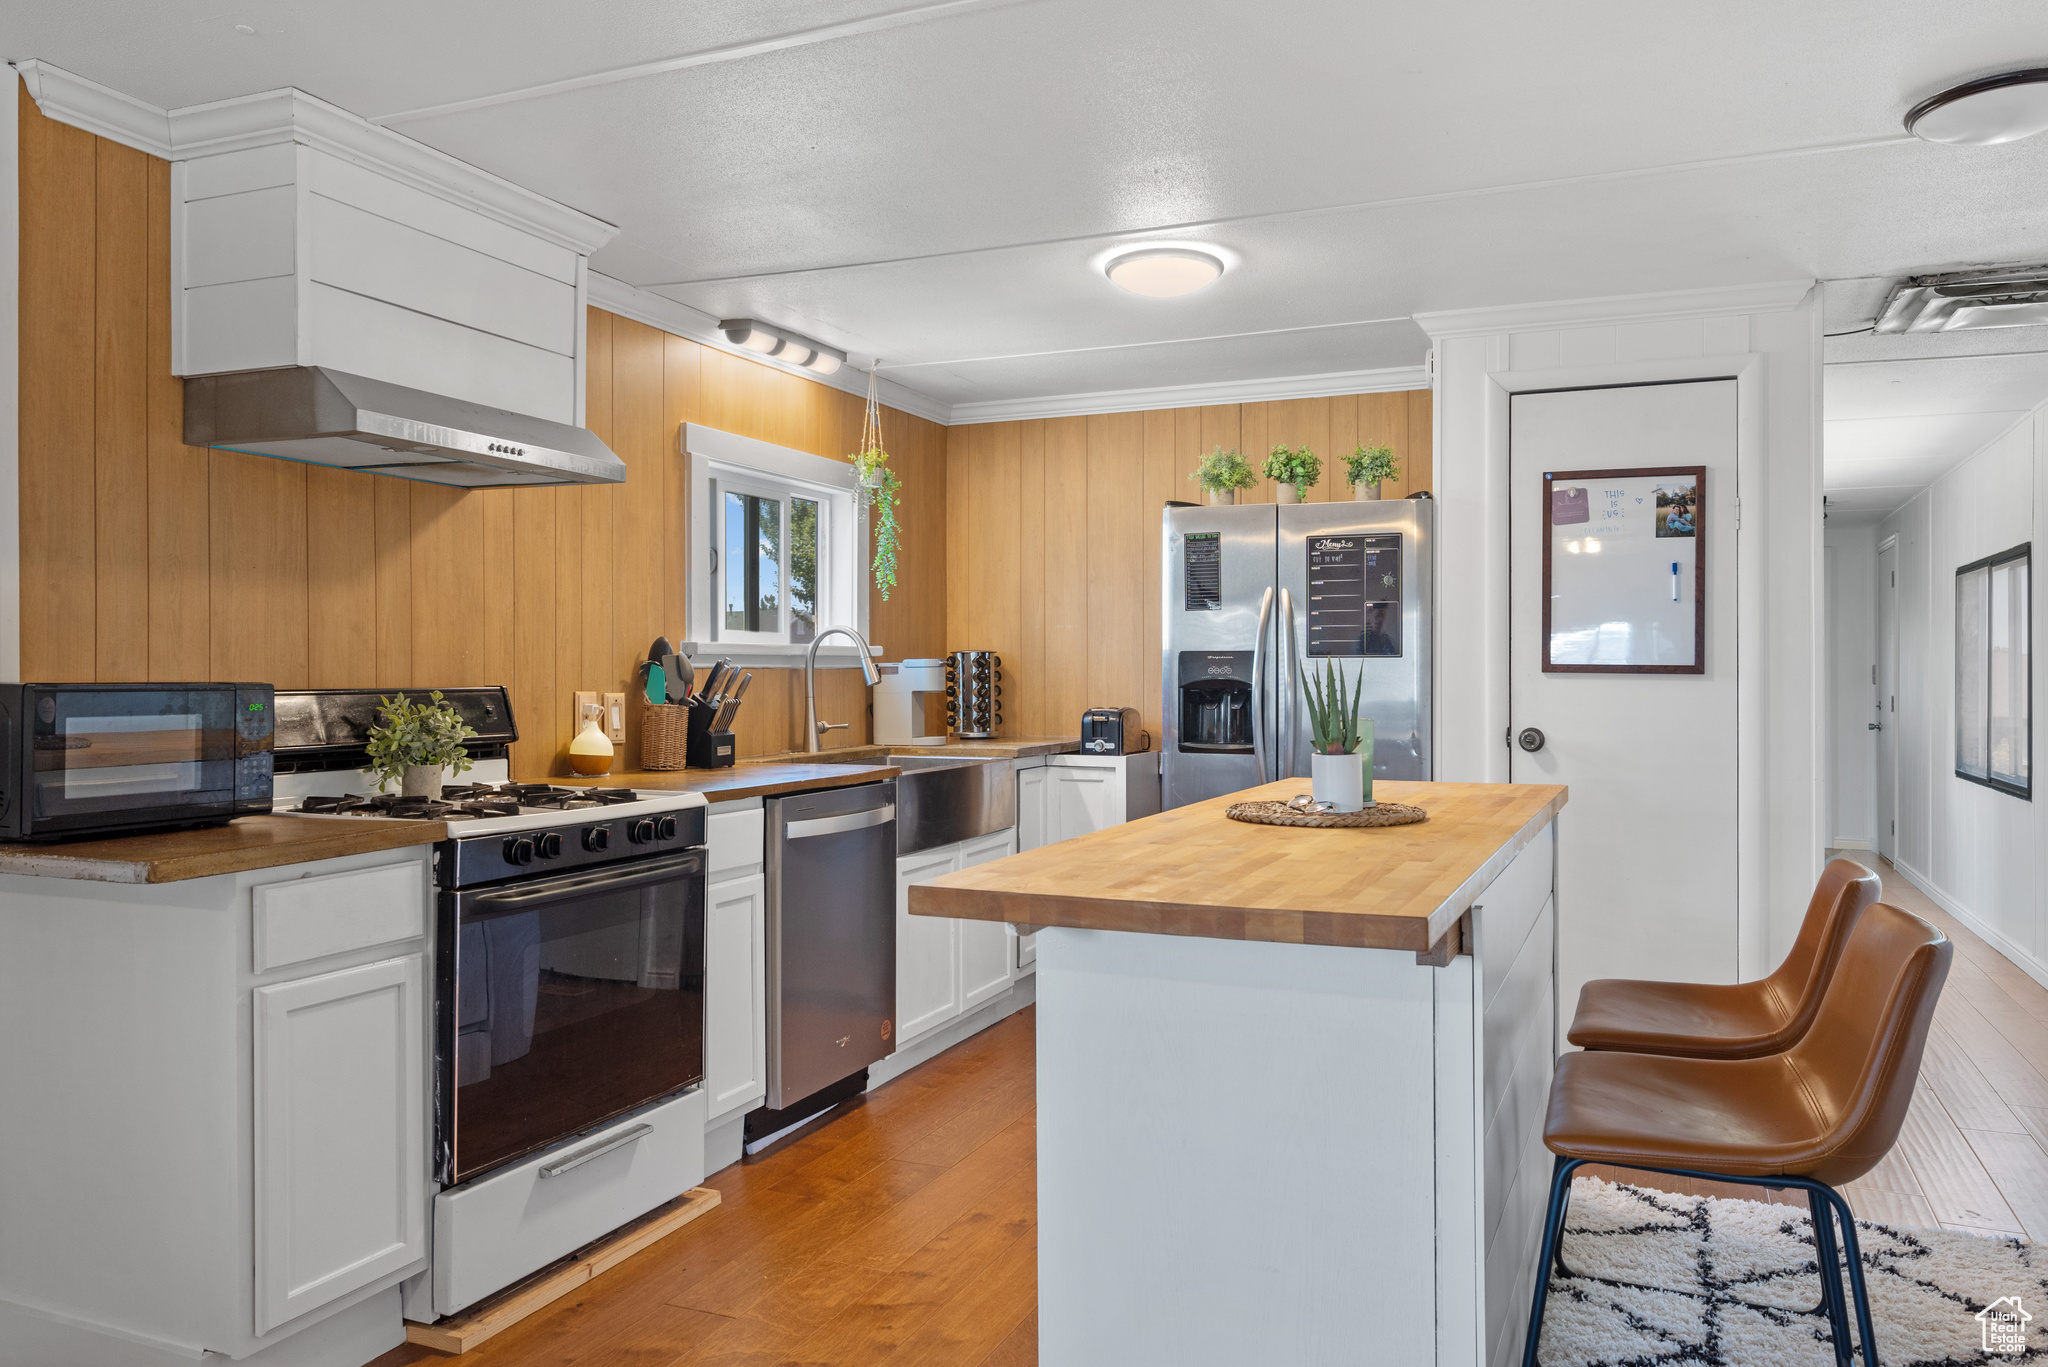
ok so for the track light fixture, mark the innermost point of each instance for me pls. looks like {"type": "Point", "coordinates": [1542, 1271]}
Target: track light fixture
{"type": "Point", "coordinates": [782, 344]}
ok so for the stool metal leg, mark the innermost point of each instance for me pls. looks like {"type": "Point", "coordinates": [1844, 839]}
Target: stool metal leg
{"type": "Point", "coordinates": [1827, 1261]}
{"type": "Point", "coordinates": [1857, 1289]}
{"type": "Point", "coordinates": [1553, 1234]}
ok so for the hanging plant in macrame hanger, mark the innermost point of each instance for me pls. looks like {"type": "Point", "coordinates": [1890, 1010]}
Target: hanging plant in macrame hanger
{"type": "Point", "coordinates": [878, 488]}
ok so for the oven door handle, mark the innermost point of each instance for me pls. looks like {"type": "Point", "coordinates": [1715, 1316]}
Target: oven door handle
{"type": "Point", "coordinates": [582, 1156]}
{"type": "Point", "coordinates": [615, 879]}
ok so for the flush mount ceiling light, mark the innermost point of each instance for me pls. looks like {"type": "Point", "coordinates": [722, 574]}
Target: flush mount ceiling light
{"type": "Point", "coordinates": [2012, 297]}
{"type": "Point", "coordinates": [1163, 272]}
{"type": "Point", "coordinates": [783, 345]}
{"type": "Point", "coordinates": [2012, 104]}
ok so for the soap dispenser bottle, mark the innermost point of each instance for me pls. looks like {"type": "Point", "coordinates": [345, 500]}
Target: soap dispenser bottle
{"type": "Point", "coordinates": [591, 752]}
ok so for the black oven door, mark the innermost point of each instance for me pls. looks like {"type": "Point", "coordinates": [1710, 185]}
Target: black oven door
{"type": "Point", "coordinates": [563, 1002]}
{"type": "Point", "coordinates": [109, 757]}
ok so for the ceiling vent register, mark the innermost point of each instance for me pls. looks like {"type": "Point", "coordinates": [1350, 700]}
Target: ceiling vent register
{"type": "Point", "coordinates": [2011, 297]}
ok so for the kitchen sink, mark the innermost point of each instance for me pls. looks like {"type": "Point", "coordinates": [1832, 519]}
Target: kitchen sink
{"type": "Point", "coordinates": [942, 799]}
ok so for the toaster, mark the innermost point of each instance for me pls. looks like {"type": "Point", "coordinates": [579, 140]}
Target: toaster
{"type": "Point", "coordinates": [1113, 731]}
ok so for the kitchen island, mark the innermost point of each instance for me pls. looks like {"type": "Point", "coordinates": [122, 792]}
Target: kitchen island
{"type": "Point", "coordinates": [1290, 1081]}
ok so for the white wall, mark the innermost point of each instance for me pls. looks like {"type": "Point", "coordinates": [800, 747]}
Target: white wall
{"type": "Point", "coordinates": [1981, 854]}
{"type": "Point", "coordinates": [1769, 333]}
{"type": "Point", "coordinates": [1851, 626]}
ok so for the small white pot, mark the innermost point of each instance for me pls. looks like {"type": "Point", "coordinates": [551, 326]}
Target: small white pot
{"type": "Point", "coordinates": [1366, 493]}
{"type": "Point", "coordinates": [422, 780]}
{"type": "Point", "coordinates": [1222, 498]}
{"type": "Point", "coordinates": [1285, 493]}
{"type": "Point", "coordinates": [1339, 780]}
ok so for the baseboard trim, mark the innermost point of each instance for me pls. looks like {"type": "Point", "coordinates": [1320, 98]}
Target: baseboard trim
{"type": "Point", "coordinates": [1022, 993]}
{"type": "Point", "coordinates": [2023, 961]}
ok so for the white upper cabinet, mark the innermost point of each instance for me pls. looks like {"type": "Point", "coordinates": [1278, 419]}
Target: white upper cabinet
{"type": "Point", "coordinates": [303, 236]}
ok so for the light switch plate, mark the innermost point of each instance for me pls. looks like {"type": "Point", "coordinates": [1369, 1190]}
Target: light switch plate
{"type": "Point", "coordinates": [583, 700]}
{"type": "Point", "coordinates": [615, 717]}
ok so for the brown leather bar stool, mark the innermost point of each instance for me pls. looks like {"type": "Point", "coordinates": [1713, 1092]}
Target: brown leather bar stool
{"type": "Point", "coordinates": [1732, 1020]}
{"type": "Point", "coordinates": [1810, 1118]}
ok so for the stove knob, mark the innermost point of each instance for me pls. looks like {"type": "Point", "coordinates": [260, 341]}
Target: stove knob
{"type": "Point", "coordinates": [667, 827]}
{"type": "Point", "coordinates": [597, 839]}
{"type": "Point", "coordinates": [519, 850]}
{"type": "Point", "coordinates": [641, 832]}
{"type": "Point", "coordinates": [548, 846]}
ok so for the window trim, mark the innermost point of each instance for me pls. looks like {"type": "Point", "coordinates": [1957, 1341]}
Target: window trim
{"type": "Point", "coordinates": [2023, 551]}
{"type": "Point", "coordinates": [713, 459]}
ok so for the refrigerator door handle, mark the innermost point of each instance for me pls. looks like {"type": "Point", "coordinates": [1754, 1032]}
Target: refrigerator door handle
{"type": "Point", "coordinates": [1259, 685]}
{"type": "Point", "coordinates": [1290, 704]}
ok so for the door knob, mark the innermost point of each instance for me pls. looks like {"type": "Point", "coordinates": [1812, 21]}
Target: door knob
{"type": "Point", "coordinates": [1875, 726]}
{"type": "Point", "coordinates": [1531, 739]}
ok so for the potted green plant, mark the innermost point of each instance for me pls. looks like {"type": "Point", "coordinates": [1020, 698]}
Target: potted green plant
{"type": "Point", "coordinates": [1222, 473]}
{"type": "Point", "coordinates": [1292, 472]}
{"type": "Point", "coordinates": [416, 744]}
{"type": "Point", "coordinates": [1366, 467]}
{"type": "Point", "coordinates": [1340, 763]}
{"type": "Point", "coordinates": [877, 487]}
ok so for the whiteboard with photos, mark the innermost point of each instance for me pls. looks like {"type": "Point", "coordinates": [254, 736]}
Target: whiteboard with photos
{"type": "Point", "coordinates": [1624, 584]}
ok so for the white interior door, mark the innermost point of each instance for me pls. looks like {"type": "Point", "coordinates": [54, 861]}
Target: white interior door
{"type": "Point", "coordinates": [1646, 863]}
{"type": "Point", "coordinates": [1887, 717]}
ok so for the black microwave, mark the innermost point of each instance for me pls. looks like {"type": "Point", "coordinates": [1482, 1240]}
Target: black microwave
{"type": "Point", "coordinates": [109, 758]}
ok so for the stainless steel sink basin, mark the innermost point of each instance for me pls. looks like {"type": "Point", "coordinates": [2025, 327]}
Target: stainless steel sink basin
{"type": "Point", "coordinates": [941, 799]}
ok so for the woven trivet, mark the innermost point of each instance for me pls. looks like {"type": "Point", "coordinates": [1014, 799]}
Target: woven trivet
{"type": "Point", "coordinates": [1280, 814]}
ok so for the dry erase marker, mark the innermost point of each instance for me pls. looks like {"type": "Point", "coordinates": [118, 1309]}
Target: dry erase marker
{"type": "Point", "coordinates": [1674, 581]}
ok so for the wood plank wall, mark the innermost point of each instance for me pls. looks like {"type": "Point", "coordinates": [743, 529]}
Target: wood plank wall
{"type": "Point", "coordinates": [145, 559]}
{"type": "Point", "coordinates": [1052, 545]}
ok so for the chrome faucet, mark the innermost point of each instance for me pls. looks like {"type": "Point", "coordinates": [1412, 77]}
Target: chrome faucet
{"type": "Point", "coordinates": [815, 729]}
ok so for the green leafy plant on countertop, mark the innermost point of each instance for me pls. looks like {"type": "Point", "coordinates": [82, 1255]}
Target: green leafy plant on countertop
{"type": "Point", "coordinates": [1332, 719]}
{"type": "Point", "coordinates": [1300, 467]}
{"type": "Point", "coordinates": [1222, 472]}
{"type": "Point", "coordinates": [1370, 465]}
{"type": "Point", "coordinates": [409, 733]}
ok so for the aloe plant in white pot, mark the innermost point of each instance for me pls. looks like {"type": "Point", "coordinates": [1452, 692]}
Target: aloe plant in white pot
{"type": "Point", "coordinates": [416, 744]}
{"type": "Point", "coordinates": [1340, 762]}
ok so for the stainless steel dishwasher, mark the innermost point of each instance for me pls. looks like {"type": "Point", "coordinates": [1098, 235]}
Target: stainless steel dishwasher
{"type": "Point", "coordinates": [831, 937]}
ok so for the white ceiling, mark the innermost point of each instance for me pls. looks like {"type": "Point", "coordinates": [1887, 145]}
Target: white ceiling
{"type": "Point", "coordinates": [931, 183]}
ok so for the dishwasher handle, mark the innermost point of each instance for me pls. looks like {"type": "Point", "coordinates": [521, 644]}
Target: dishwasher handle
{"type": "Point", "coordinates": [844, 821]}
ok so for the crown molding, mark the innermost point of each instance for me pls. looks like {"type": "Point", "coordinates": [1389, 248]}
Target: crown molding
{"type": "Point", "coordinates": [99, 110]}
{"type": "Point", "coordinates": [658, 311]}
{"type": "Point", "coordinates": [288, 115]}
{"type": "Point", "coordinates": [1776, 296]}
{"type": "Point", "coordinates": [1196, 395]}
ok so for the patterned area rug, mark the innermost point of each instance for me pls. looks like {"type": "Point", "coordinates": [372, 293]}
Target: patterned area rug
{"type": "Point", "coordinates": [1739, 1287]}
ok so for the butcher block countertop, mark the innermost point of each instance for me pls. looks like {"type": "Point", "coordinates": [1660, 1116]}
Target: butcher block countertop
{"type": "Point", "coordinates": [1193, 871]}
{"type": "Point", "coordinates": [251, 842]}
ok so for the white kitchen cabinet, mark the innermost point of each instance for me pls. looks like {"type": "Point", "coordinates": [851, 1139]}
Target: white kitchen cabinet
{"type": "Point", "coordinates": [946, 968]}
{"type": "Point", "coordinates": [1032, 787]}
{"type": "Point", "coordinates": [340, 1134]}
{"type": "Point", "coordinates": [735, 960]}
{"type": "Point", "coordinates": [1094, 792]}
{"type": "Point", "coordinates": [927, 950]}
{"type": "Point", "coordinates": [987, 963]}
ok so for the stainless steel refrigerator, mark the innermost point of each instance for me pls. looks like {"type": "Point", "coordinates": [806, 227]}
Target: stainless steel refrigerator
{"type": "Point", "coordinates": [1259, 594]}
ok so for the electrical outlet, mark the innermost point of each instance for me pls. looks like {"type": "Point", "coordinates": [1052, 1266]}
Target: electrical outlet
{"type": "Point", "coordinates": [615, 717]}
{"type": "Point", "coordinates": [583, 700]}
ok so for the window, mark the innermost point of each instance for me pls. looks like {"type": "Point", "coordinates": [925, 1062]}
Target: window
{"type": "Point", "coordinates": [1994, 672]}
{"type": "Point", "coordinates": [777, 545]}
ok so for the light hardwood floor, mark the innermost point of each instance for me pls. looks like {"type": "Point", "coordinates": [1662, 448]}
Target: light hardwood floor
{"type": "Point", "coordinates": [905, 1230]}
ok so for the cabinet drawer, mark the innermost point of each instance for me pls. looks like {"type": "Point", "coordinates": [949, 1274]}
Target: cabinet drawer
{"type": "Point", "coordinates": [312, 918]}
{"type": "Point", "coordinates": [736, 842]}
{"type": "Point", "coordinates": [494, 1231]}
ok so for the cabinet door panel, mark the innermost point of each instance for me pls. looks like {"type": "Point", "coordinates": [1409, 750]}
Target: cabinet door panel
{"type": "Point", "coordinates": [927, 951]}
{"type": "Point", "coordinates": [1031, 814]}
{"type": "Point", "coordinates": [986, 963]}
{"type": "Point", "coordinates": [1083, 800]}
{"type": "Point", "coordinates": [340, 1134]}
{"type": "Point", "coordinates": [735, 994]}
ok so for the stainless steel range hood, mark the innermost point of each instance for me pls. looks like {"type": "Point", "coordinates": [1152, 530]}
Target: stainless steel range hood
{"type": "Point", "coordinates": [327, 417]}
